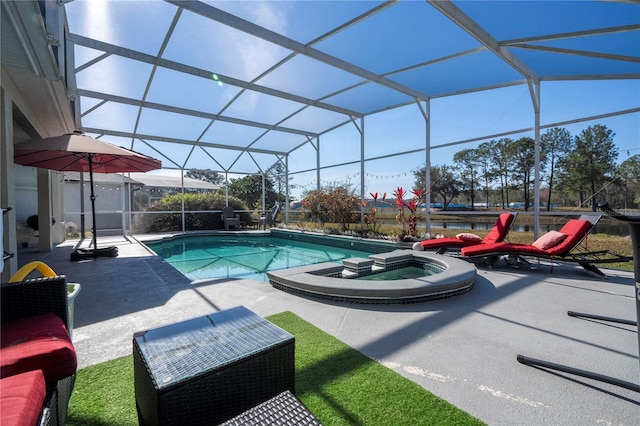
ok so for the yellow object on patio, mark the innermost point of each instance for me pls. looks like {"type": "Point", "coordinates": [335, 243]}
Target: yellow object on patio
{"type": "Point", "coordinates": [23, 272]}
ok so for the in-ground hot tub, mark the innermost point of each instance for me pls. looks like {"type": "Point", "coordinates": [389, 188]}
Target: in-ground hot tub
{"type": "Point", "coordinates": [446, 276]}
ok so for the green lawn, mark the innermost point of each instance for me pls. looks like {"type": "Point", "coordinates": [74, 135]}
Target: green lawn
{"type": "Point", "coordinates": [338, 384]}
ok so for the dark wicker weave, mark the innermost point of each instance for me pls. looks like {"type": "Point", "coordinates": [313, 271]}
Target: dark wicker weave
{"type": "Point", "coordinates": [281, 410]}
{"type": "Point", "coordinates": [34, 297]}
{"type": "Point", "coordinates": [207, 370]}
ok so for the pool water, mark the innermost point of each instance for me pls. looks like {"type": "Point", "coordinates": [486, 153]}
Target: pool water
{"type": "Point", "coordinates": [211, 257]}
{"type": "Point", "coordinates": [407, 272]}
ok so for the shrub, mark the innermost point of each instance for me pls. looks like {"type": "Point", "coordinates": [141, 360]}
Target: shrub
{"type": "Point", "coordinates": [337, 205]}
{"type": "Point", "coordinates": [206, 207]}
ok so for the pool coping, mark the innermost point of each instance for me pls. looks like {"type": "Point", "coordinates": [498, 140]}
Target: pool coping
{"type": "Point", "coordinates": [341, 241]}
{"type": "Point", "coordinates": [317, 281]}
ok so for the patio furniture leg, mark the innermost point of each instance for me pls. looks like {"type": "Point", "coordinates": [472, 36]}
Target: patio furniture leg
{"type": "Point", "coordinates": [578, 372]}
{"type": "Point", "coordinates": [592, 268]}
{"type": "Point", "coordinates": [601, 318]}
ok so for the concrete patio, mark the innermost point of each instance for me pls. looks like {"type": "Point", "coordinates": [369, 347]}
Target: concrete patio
{"type": "Point", "coordinates": [462, 349]}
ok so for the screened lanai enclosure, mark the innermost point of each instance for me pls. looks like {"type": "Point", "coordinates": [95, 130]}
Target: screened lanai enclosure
{"type": "Point", "coordinates": [359, 91]}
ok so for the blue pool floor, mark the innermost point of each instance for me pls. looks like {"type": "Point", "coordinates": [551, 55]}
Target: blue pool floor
{"type": "Point", "coordinates": [202, 258]}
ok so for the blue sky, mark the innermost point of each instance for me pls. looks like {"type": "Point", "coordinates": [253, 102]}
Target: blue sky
{"type": "Point", "coordinates": [383, 43]}
{"type": "Point", "coordinates": [465, 117]}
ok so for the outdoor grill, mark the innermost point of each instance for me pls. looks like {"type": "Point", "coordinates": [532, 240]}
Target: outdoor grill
{"type": "Point", "coordinates": [32, 222]}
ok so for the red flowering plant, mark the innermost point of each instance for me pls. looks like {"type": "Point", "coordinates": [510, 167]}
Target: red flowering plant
{"type": "Point", "coordinates": [399, 194]}
{"type": "Point", "coordinates": [412, 205]}
{"type": "Point", "coordinates": [370, 218]}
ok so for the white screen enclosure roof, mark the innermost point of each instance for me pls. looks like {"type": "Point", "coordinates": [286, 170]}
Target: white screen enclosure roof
{"type": "Point", "coordinates": [236, 86]}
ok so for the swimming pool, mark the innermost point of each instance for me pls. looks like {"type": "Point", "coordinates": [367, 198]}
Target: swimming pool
{"type": "Point", "coordinates": [211, 257]}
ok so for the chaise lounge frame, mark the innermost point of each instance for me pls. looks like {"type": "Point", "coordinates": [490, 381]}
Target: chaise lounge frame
{"type": "Point", "coordinates": [569, 250]}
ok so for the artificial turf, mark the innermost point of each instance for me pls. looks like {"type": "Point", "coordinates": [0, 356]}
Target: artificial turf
{"type": "Point", "coordinates": [338, 384]}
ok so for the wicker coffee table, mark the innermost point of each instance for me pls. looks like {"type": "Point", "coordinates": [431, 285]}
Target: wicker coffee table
{"type": "Point", "coordinates": [207, 370]}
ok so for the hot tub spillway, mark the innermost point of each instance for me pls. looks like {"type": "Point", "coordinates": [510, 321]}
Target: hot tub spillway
{"type": "Point", "coordinates": [450, 276]}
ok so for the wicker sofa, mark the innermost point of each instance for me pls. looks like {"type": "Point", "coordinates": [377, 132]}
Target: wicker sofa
{"type": "Point", "coordinates": [38, 360]}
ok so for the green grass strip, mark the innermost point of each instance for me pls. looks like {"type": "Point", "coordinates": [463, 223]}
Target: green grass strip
{"type": "Point", "coordinates": [103, 395]}
{"type": "Point", "coordinates": [341, 386]}
{"type": "Point", "coordinates": [338, 384]}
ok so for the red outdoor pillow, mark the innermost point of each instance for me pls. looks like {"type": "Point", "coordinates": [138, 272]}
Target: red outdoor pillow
{"type": "Point", "coordinates": [21, 398]}
{"type": "Point", "coordinates": [550, 239]}
{"type": "Point", "coordinates": [467, 236]}
{"type": "Point", "coordinates": [37, 343]}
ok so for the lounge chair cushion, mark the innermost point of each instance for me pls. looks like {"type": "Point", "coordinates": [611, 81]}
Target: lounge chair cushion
{"type": "Point", "coordinates": [21, 398]}
{"type": "Point", "coordinates": [550, 239]}
{"type": "Point", "coordinates": [576, 230]}
{"type": "Point", "coordinates": [467, 236]}
{"type": "Point", "coordinates": [500, 229]}
{"type": "Point", "coordinates": [497, 233]}
{"type": "Point", "coordinates": [436, 243]}
{"type": "Point", "coordinates": [497, 248]}
{"type": "Point", "coordinates": [37, 343]}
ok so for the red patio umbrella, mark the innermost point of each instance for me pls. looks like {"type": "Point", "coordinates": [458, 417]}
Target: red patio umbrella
{"type": "Point", "coordinates": [79, 153]}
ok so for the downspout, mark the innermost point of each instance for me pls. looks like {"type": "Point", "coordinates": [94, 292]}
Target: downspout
{"type": "Point", "coordinates": [264, 196]}
{"type": "Point", "coordinates": [361, 171]}
{"type": "Point", "coordinates": [182, 185]}
{"type": "Point", "coordinates": [286, 188]}
{"type": "Point", "coordinates": [82, 219]}
{"type": "Point", "coordinates": [124, 216]}
{"type": "Point", "coordinates": [534, 88]}
{"type": "Point", "coordinates": [426, 113]}
{"type": "Point", "coordinates": [318, 164]}
{"type": "Point", "coordinates": [226, 187]}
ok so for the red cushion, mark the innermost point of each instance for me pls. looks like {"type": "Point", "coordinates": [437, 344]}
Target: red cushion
{"type": "Point", "coordinates": [494, 248]}
{"type": "Point", "coordinates": [21, 398]}
{"type": "Point", "coordinates": [435, 243]}
{"type": "Point", "coordinates": [576, 229]}
{"type": "Point", "coordinates": [37, 343]}
{"type": "Point", "coordinates": [500, 229]}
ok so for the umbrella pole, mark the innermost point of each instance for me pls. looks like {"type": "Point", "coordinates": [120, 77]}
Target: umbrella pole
{"type": "Point", "coordinates": [80, 254]}
{"type": "Point", "coordinates": [93, 205]}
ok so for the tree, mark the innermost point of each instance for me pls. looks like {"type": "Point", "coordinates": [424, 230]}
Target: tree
{"type": "Point", "coordinates": [523, 152]}
{"type": "Point", "coordinates": [628, 174]}
{"type": "Point", "coordinates": [206, 175]}
{"type": "Point", "coordinates": [278, 175]}
{"type": "Point", "coordinates": [485, 159]}
{"type": "Point", "coordinates": [469, 163]}
{"type": "Point", "coordinates": [249, 189]}
{"type": "Point", "coordinates": [554, 143]}
{"type": "Point", "coordinates": [335, 203]}
{"type": "Point", "coordinates": [419, 178]}
{"type": "Point", "coordinates": [503, 159]}
{"type": "Point", "coordinates": [591, 163]}
{"type": "Point", "coordinates": [444, 183]}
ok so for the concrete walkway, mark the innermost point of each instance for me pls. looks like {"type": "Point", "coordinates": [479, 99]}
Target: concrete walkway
{"type": "Point", "coordinates": [462, 349]}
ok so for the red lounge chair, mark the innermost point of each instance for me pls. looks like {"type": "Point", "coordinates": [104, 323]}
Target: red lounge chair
{"type": "Point", "coordinates": [553, 245]}
{"type": "Point", "coordinates": [497, 234]}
